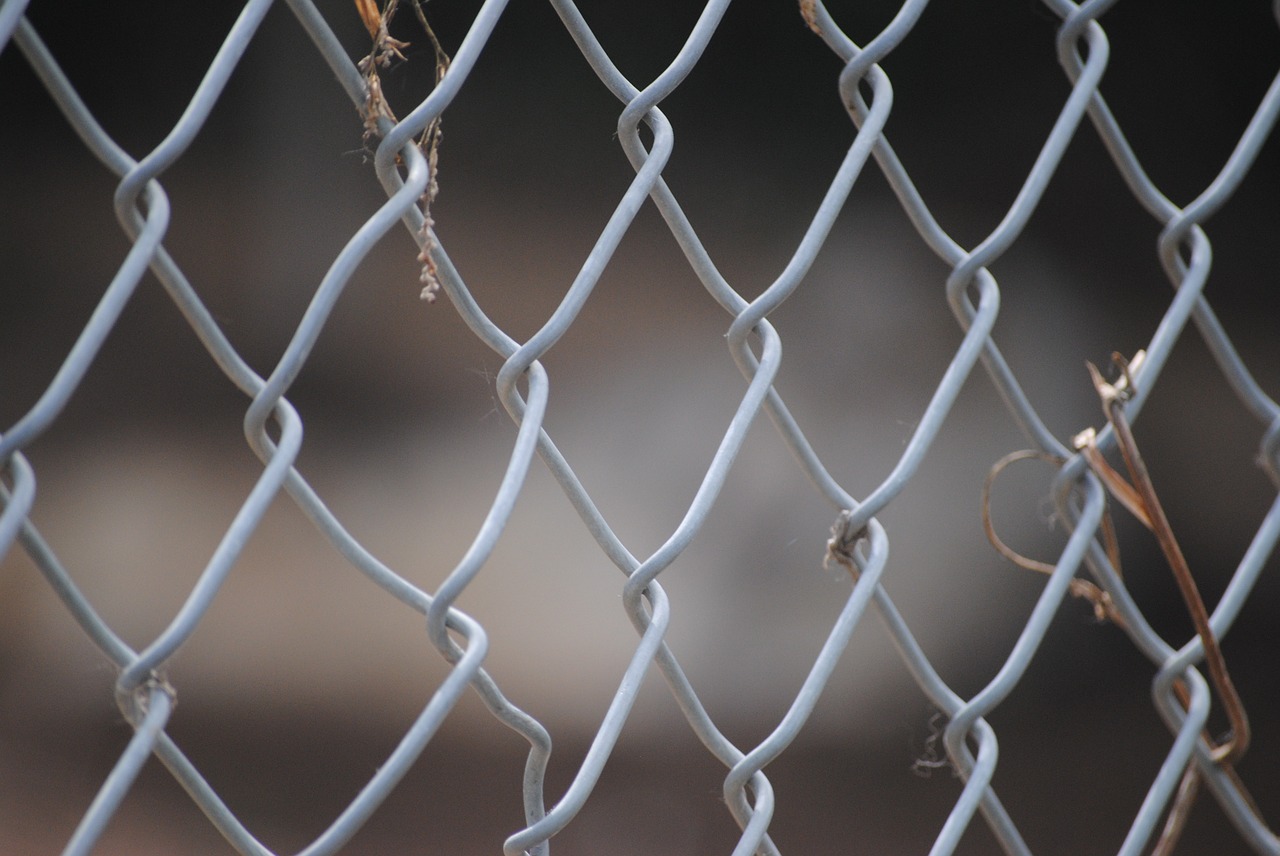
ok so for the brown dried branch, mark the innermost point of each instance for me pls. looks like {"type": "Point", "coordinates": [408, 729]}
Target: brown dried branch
{"type": "Point", "coordinates": [384, 50]}
{"type": "Point", "coordinates": [430, 145]}
{"type": "Point", "coordinates": [1149, 510]}
{"type": "Point", "coordinates": [1113, 397]}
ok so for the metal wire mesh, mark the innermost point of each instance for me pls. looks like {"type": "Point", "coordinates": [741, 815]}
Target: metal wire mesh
{"type": "Point", "coordinates": [406, 161]}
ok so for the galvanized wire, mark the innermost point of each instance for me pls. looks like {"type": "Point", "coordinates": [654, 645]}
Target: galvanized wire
{"type": "Point", "coordinates": [859, 541]}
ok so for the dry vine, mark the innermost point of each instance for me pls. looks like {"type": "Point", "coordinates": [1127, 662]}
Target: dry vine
{"type": "Point", "coordinates": [385, 49]}
{"type": "Point", "coordinates": [1137, 495]}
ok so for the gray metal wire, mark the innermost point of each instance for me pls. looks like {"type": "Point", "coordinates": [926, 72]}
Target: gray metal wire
{"type": "Point", "coordinates": [273, 430]}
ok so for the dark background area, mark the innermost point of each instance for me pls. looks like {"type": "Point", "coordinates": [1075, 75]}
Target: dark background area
{"type": "Point", "coordinates": [530, 170]}
{"type": "Point", "coordinates": [758, 137]}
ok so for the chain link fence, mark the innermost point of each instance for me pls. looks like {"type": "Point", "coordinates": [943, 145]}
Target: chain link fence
{"type": "Point", "coordinates": [738, 457]}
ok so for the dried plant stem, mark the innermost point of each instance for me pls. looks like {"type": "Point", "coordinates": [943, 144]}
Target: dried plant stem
{"type": "Point", "coordinates": [430, 145]}
{"type": "Point", "coordinates": [1141, 498]}
{"type": "Point", "coordinates": [1103, 608]}
{"type": "Point", "coordinates": [1137, 494]}
{"type": "Point", "coordinates": [384, 50]}
{"type": "Point", "coordinates": [1113, 398]}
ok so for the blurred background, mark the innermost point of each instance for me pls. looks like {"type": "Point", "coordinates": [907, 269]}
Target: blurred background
{"type": "Point", "coordinates": [303, 676]}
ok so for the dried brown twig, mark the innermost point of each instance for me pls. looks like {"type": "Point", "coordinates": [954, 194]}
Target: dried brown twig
{"type": "Point", "coordinates": [1142, 492]}
{"type": "Point", "coordinates": [385, 49]}
{"type": "Point", "coordinates": [1137, 494]}
{"type": "Point", "coordinates": [430, 145]}
{"type": "Point", "coordinates": [1151, 512]}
